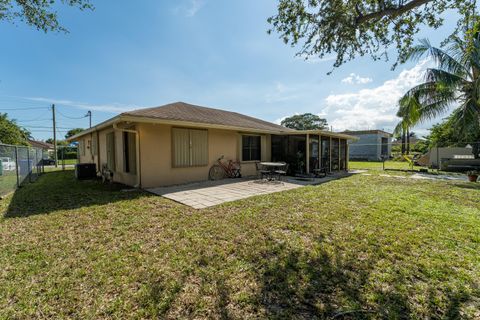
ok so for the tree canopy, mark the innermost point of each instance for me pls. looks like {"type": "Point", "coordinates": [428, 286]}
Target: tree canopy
{"type": "Point", "coordinates": [306, 121]}
{"type": "Point", "coordinates": [72, 132]}
{"type": "Point", "coordinates": [11, 133]}
{"type": "Point", "coordinates": [453, 83]}
{"type": "Point", "coordinates": [347, 29]}
{"type": "Point", "coordinates": [40, 14]}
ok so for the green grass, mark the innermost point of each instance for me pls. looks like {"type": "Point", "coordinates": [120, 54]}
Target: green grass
{"type": "Point", "coordinates": [362, 247]}
{"type": "Point", "coordinates": [372, 165]}
{"type": "Point", "coordinates": [67, 162]}
{"type": "Point", "coordinates": [8, 182]}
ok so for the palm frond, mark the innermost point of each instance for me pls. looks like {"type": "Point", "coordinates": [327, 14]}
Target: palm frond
{"type": "Point", "coordinates": [442, 59]}
{"type": "Point", "coordinates": [446, 78]}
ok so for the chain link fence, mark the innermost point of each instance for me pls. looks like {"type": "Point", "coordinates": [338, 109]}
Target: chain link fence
{"type": "Point", "coordinates": [23, 164]}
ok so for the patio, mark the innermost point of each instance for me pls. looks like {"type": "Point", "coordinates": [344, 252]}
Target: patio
{"type": "Point", "coordinates": [210, 193]}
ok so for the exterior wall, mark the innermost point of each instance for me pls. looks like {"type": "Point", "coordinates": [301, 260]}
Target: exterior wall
{"type": "Point", "coordinates": [88, 156]}
{"type": "Point", "coordinates": [100, 158]}
{"type": "Point", "coordinates": [446, 154]}
{"type": "Point", "coordinates": [369, 146]}
{"type": "Point", "coordinates": [156, 155]}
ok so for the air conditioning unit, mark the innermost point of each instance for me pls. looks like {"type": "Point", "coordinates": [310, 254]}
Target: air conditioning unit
{"type": "Point", "coordinates": [85, 171]}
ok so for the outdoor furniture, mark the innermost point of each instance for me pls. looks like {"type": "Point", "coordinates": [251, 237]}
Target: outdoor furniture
{"type": "Point", "coordinates": [271, 167]}
{"type": "Point", "coordinates": [261, 171]}
{"type": "Point", "coordinates": [283, 171]}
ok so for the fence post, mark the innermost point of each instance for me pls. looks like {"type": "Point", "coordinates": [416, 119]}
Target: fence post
{"type": "Point", "coordinates": [63, 159]}
{"type": "Point", "coordinates": [17, 167]}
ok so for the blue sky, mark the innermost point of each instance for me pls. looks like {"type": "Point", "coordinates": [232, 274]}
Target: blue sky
{"type": "Point", "coordinates": [132, 54]}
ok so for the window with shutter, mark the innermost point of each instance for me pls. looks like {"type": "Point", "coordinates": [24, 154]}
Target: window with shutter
{"type": "Point", "coordinates": [94, 144]}
{"type": "Point", "coordinates": [251, 148]}
{"type": "Point", "coordinates": [111, 151]}
{"type": "Point", "coordinates": [190, 147]}
{"type": "Point", "coordinates": [129, 152]}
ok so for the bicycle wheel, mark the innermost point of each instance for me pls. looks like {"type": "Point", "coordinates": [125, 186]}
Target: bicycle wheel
{"type": "Point", "coordinates": [216, 172]}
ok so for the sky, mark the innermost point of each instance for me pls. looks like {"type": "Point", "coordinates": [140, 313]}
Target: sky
{"type": "Point", "coordinates": [127, 55]}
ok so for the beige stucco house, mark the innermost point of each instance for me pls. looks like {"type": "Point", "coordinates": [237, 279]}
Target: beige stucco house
{"type": "Point", "coordinates": [179, 142]}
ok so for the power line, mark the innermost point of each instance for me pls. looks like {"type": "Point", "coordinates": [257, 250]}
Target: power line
{"type": "Point", "coordinates": [45, 127]}
{"type": "Point", "coordinates": [22, 108]}
{"type": "Point", "coordinates": [36, 119]}
{"type": "Point", "coordinates": [73, 118]}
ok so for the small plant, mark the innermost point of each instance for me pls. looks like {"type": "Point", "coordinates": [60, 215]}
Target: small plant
{"type": "Point", "coordinates": [473, 175]}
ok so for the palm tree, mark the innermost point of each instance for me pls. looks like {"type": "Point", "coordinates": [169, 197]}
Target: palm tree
{"type": "Point", "coordinates": [455, 82]}
{"type": "Point", "coordinates": [409, 111]}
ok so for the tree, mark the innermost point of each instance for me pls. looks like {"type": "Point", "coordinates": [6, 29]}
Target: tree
{"type": "Point", "coordinates": [306, 121]}
{"type": "Point", "coordinates": [409, 112]}
{"type": "Point", "coordinates": [455, 82]}
{"type": "Point", "coordinates": [73, 132]}
{"type": "Point", "coordinates": [39, 14]}
{"type": "Point", "coordinates": [348, 29]}
{"type": "Point", "coordinates": [444, 135]}
{"type": "Point", "coordinates": [11, 133]}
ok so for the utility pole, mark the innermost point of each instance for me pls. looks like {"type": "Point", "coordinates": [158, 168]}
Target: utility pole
{"type": "Point", "coordinates": [54, 136]}
{"type": "Point", "coordinates": [89, 115]}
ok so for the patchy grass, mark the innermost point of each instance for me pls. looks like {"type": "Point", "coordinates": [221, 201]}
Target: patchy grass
{"type": "Point", "coordinates": [361, 247]}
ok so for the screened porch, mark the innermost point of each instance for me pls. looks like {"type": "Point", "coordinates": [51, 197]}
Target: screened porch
{"type": "Point", "coordinates": [306, 153]}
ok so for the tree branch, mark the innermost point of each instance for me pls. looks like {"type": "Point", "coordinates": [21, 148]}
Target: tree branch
{"type": "Point", "coordinates": [391, 12]}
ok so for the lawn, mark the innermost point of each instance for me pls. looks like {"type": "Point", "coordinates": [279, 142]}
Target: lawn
{"type": "Point", "coordinates": [8, 182]}
{"type": "Point", "coordinates": [373, 165]}
{"type": "Point", "coordinates": [362, 247]}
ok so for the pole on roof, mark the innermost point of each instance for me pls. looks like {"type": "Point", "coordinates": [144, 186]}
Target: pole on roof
{"type": "Point", "coordinates": [54, 136]}
{"type": "Point", "coordinates": [89, 115]}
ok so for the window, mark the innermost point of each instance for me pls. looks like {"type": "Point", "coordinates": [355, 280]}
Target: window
{"type": "Point", "coordinates": [81, 147]}
{"type": "Point", "coordinates": [94, 144]}
{"type": "Point", "coordinates": [129, 152]}
{"type": "Point", "coordinates": [190, 147]}
{"type": "Point", "coordinates": [111, 151]}
{"type": "Point", "coordinates": [251, 149]}
{"type": "Point", "coordinates": [384, 146]}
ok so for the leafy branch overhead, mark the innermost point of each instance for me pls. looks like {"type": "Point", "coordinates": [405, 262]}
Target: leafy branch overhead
{"type": "Point", "coordinates": [347, 29]}
{"type": "Point", "coordinates": [40, 14]}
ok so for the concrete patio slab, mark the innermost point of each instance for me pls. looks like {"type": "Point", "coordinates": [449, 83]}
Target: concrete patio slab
{"type": "Point", "coordinates": [210, 193]}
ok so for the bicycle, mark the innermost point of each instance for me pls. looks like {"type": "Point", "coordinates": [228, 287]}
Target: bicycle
{"type": "Point", "coordinates": [222, 169]}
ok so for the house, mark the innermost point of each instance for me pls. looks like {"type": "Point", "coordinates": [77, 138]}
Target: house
{"type": "Point", "coordinates": [179, 142]}
{"type": "Point", "coordinates": [372, 145]}
{"type": "Point", "coordinates": [450, 159]}
{"type": "Point", "coordinates": [41, 145]}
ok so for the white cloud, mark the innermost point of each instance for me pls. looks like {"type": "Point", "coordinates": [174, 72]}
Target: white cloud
{"type": "Point", "coordinates": [112, 108]}
{"type": "Point", "coordinates": [189, 8]}
{"type": "Point", "coordinates": [373, 108]}
{"type": "Point", "coordinates": [356, 79]}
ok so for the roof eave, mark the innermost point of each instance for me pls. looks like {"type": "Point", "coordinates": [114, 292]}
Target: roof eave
{"type": "Point", "coordinates": [143, 119]}
{"type": "Point", "coordinates": [95, 128]}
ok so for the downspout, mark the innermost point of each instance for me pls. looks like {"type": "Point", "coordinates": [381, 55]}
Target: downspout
{"type": "Point", "coordinates": [137, 152]}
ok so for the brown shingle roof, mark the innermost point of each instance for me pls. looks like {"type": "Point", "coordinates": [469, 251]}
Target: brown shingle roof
{"type": "Point", "coordinates": [40, 144]}
{"type": "Point", "coordinates": [181, 111]}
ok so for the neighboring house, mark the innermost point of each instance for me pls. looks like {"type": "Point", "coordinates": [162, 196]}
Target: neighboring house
{"type": "Point", "coordinates": [449, 159]}
{"type": "Point", "coordinates": [179, 142]}
{"type": "Point", "coordinates": [42, 145]}
{"type": "Point", "coordinates": [372, 145]}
